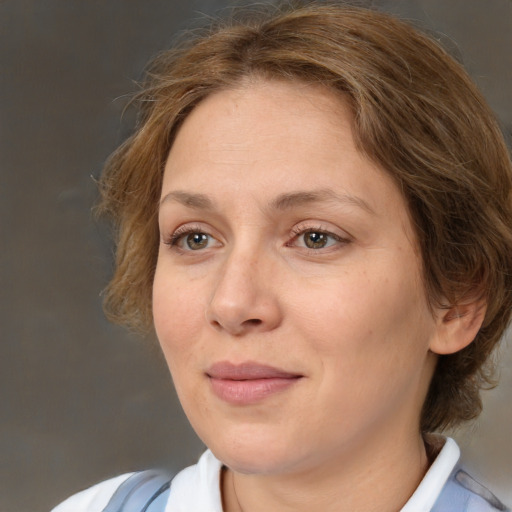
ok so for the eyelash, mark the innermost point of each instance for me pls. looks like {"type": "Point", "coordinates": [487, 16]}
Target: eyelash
{"type": "Point", "coordinates": [299, 231]}
{"type": "Point", "coordinates": [173, 240]}
{"type": "Point", "coordinates": [181, 232]}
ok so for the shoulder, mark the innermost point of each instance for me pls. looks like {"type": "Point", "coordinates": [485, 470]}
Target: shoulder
{"type": "Point", "coordinates": [193, 488]}
{"type": "Point", "coordinates": [447, 487]}
{"type": "Point", "coordinates": [463, 493]}
{"type": "Point", "coordinates": [95, 498]}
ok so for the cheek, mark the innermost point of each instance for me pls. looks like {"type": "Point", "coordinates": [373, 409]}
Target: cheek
{"type": "Point", "coordinates": [362, 320]}
{"type": "Point", "coordinates": [371, 339]}
{"type": "Point", "coordinates": [177, 313]}
{"type": "Point", "coordinates": [178, 316]}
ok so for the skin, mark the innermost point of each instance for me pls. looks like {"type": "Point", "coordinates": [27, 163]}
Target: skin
{"type": "Point", "coordinates": [351, 318]}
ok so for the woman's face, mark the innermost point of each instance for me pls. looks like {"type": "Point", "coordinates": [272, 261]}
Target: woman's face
{"type": "Point", "coordinates": [288, 297]}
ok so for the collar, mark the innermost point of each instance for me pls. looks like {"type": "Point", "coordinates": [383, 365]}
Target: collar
{"type": "Point", "coordinates": [436, 477]}
{"type": "Point", "coordinates": [198, 487]}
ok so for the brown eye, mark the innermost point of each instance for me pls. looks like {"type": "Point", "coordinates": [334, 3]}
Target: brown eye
{"type": "Point", "coordinates": [315, 239]}
{"type": "Point", "coordinates": [196, 241]}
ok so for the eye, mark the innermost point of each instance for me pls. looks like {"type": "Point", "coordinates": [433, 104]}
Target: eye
{"type": "Point", "coordinates": [193, 239]}
{"type": "Point", "coordinates": [316, 239]}
{"type": "Point", "coordinates": [196, 241]}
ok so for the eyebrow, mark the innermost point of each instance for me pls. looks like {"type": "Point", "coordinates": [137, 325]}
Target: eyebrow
{"type": "Point", "coordinates": [194, 201]}
{"type": "Point", "coordinates": [293, 199]}
{"type": "Point", "coordinates": [282, 202]}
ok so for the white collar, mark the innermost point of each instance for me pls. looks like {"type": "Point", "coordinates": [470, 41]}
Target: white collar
{"type": "Point", "coordinates": [197, 488]}
{"type": "Point", "coordinates": [433, 482]}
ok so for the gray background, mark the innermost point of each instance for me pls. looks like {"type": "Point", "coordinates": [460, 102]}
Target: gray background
{"type": "Point", "coordinates": [82, 400]}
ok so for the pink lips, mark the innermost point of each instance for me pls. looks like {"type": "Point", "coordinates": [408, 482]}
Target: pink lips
{"type": "Point", "coordinates": [248, 382]}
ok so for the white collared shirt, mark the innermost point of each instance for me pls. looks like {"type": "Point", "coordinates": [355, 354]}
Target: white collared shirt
{"type": "Point", "coordinates": [197, 488]}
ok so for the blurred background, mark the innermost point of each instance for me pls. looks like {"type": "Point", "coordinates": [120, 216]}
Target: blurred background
{"type": "Point", "coordinates": [82, 400]}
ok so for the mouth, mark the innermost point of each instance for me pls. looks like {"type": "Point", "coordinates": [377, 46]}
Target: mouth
{"type": "Point", "coordinates": [249, 382]}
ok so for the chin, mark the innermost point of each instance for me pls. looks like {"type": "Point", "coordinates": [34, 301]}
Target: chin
{"type": "Point", "coordinates": [252, 451]}
{"type": "Point", "coordinates": [254, 461]}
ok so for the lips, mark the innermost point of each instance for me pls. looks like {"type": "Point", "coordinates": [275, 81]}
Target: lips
{"type": "Point", "coordinates": [248, 382]}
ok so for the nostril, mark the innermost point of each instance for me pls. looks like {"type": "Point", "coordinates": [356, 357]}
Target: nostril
{"type": "Point", "coordinates": [216, 324]}
{"type": "Point", "coordinates": [253, 321]}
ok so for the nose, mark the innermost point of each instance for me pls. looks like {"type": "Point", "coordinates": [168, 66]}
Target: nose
{"type": "Point", "coordinates": [245, 299]}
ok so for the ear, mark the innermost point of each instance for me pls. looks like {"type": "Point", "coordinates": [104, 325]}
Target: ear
{"type": "Point", "coordinates": [458, 326]}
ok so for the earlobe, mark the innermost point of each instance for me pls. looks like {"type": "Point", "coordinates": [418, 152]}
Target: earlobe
{"type": "Point", "coordinates": [458, 327]}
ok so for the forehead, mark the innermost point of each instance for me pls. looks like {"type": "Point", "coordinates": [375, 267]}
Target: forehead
{"type": "Point", "coordinates": [267, 138]}
{"type": "Point", "coordinates": [268, 111]}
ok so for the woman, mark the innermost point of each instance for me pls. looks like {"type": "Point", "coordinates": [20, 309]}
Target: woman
{"type": "Point", "coordinates": [314, 215]}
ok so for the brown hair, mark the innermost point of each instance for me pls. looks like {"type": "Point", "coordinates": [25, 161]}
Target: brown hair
{"type": "Point", "coordinates": [417, 114]}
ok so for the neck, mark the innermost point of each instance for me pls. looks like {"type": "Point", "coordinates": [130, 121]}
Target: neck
{"type": "Point", "coordinates": [371, 478]}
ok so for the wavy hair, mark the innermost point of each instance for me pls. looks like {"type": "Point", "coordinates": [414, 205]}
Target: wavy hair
{"type": "Point", "coordinates": [417, 115]}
